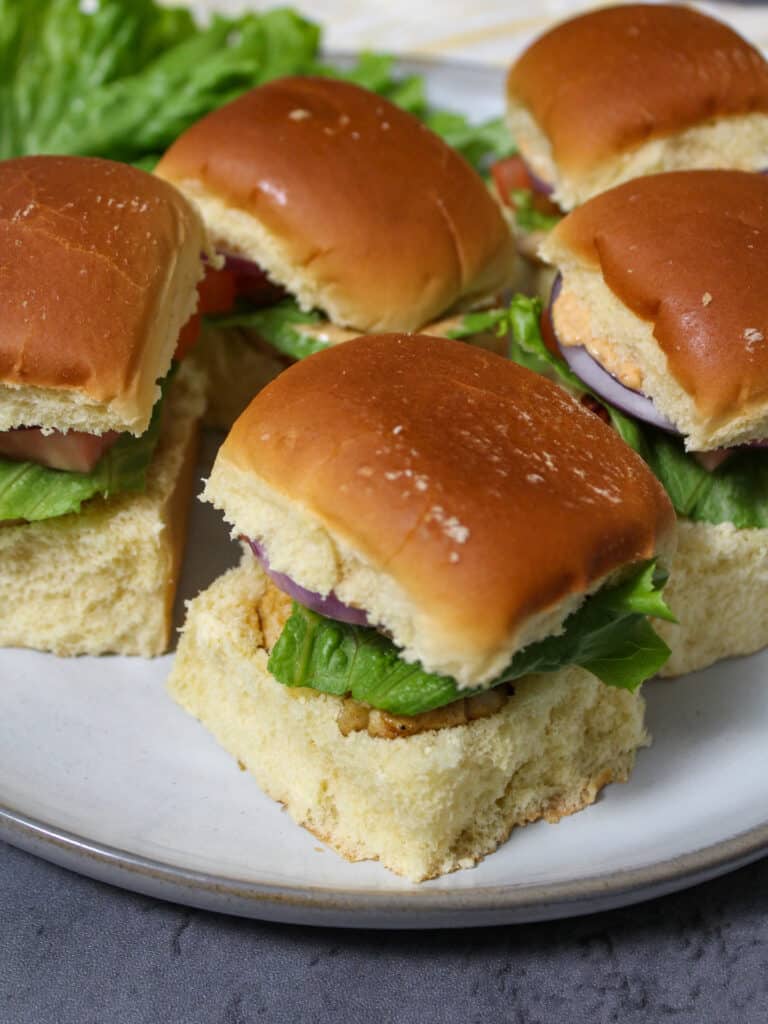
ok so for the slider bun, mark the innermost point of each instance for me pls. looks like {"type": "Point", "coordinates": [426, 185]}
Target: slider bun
{"type": "Point", "coordinates": [422, 805]}
{"type": "Point", "coordinates": [467, 504]}
{"type": "Point", "coordinates": [346, 200]}
{"type": "Point", "coordinates": [636, 89]}
{"type": "Point", "coordinates": [664, 283]}
{"type": "Point", "coordinates": [103, 580]}
{"type": "Point", "coordinates": [98, 273]}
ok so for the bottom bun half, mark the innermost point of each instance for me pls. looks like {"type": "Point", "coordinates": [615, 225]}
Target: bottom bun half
{"type": "Point", "coordinates": [425, 804]}
{"type": "Point", "coordinates": [104, 580]}
{"type": "Point", "coordinates": [718, 589]}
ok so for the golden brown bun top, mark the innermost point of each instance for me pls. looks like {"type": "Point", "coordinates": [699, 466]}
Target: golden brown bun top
{"type": "Point", "coordinates": [88, 251]}
{"type": "Point", "coordinates": [689, 251]}
{"type": "Point", "coordinates": [613, 78]}
{"type": "Point", "coordinates": [485, 490]}
{"type": "Point", "coordinates": [367, 199]}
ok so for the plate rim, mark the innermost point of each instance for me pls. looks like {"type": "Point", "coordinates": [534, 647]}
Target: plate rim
{"type": "Point", "coordinates": [419, 907]}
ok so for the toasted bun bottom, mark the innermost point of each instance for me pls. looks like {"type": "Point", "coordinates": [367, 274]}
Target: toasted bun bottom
{"type": "Point", "coordinates": [738, 143]}
{"type": "Point", "coordinates": [718, 589]}
{"type": "Point", "coordinates": [588, 313]}
{"type": "Point", "coordinates": [104, 580]}
{"type": "Point", "coordinates": [423, 805]}
{"type": "Point", "coordinates": [320, 559]}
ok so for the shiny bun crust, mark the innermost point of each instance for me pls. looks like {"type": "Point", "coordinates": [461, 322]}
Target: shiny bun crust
{"type": "Point", "coordinates": [99, 263]}
{"type": "Point", "coordinates": [351, 203]}
{"type": "Point", "coordinates": [636, 89]}
{"type": "Point", "coordinates": [466, 503]}
{"type": "Point", "coordinates": [664, 281]}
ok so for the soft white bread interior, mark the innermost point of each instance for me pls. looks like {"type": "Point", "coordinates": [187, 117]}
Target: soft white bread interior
{"type": "Point", "coordinates": [718, 589]}
{"type": "Point", "coordinates": [104, 580]}
{"type": "Point", "coordinates": [740, 143]}
{"type": "Point", "coordinates": [423, 805]}
{"type": "Point", "coordinates": [662, 282]}
{"type": "Point", "coordinates": [635, 89]}
{"type": "Point", "coordinates": [377, 221]}
{"type": "Point", "coordinates": [465, 503]}
{"type": "Point", "coordinates": [106, 261]}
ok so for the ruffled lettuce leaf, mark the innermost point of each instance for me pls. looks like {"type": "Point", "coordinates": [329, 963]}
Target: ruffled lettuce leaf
{"type": "Point", "coordinates": [527, 217]}
{"type": "Point", "coordinates": [609, 635]}
{"type": "Point", "coordinates": [281, 325]}
{"type": "Point", "coordinates": [123, 78]}
{"type": "Point", "coordinates": [32, 492]}
{"type": "Point", "coordinates": [481, 143]}
{"type": "Point", "coordinates": [481, 321]}
{"type": "Point", "coordinates": [285, 326]}
{"type": "Point", "coordinates": [736, 492]}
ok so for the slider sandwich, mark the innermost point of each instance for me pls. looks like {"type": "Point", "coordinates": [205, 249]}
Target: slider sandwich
{"type": "Point", "coordinates": [336, 213]}
{"type": "Point", "coordinates": [99, 266]}
{"type": "Point", "coordinates": [441, 623]}
{"type": "Point", "coordinates": [622, 92]}
{"type": "Point", "coordinates": [661, 312]}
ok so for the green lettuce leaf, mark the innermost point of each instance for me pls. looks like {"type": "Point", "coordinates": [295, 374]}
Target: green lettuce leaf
{"type": "Point", "coordinates": [126, 79]}
{"type": "Point", "coordinates": [527, 216]}
{"type": "Point", "coordinates": [32, 492]}
{"type": "Point", "coordinates": [736, 492]}
{"type": "Point", "coordinates": [278, 325]}
{"type": "Point", "coordinates": [377, 72]}
{"type": "Point", "coordinates": [609, 635]}
{"type": "Point", "coordinates": [481, 143]}
{"type": "Point", "coordinates": [483, 321]}
{"type": "Point", "coordinates": [123, 78]}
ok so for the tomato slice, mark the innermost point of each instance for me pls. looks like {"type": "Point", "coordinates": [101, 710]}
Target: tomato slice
{"type": "Point", "coordinates": [216, 292]}
{"type": "Point", "coordinates": [188, 336]}
{"type": "Point", "coordinates": [508, 176]}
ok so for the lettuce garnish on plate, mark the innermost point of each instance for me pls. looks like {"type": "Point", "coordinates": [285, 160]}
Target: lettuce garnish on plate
{"type": "Point", "coordinates": [123, 78]}
{"type": "Point", "coordinates": [609, 635]}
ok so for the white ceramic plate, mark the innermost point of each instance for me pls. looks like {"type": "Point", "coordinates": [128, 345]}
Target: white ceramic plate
{"type": "Point", "coordinates": [102, 773]}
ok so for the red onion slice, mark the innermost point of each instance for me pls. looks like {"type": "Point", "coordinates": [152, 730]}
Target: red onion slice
{"type": "Point", "coordinates": [605, 384]}
{"type": "Point", "coordinates": [331, 607]}
{"type": "Point", "coordinates": [634, 403]}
